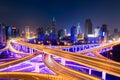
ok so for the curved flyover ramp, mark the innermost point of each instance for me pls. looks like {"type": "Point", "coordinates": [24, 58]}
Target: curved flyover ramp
{"type": "Point", "coordinates": [99, 64]}
{"type": "Point", "coordinates": [95, 50]}
{"type": "Point", "coordinates": [67, 73]}
{"type": "Point", "coordinates": [19, 60]}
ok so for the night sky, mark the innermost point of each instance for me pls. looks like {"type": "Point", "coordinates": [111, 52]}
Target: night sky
{"type": "Point", "coordinates": [38, 13]}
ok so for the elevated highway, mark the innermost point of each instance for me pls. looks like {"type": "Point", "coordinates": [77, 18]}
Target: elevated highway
{"type": "Point", "coordinates": [99, 64]}
{"type": "Point", "coordinates": [64, 71]}
{"type": "Point", "coordinates": [95, 63]}
{"type": "Point", "coordinates": [67, 73]}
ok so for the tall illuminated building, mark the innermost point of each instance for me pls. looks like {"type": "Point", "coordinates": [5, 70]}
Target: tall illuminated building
{"type": "Point", "coordinates": [104, 33]}
{"type": "Point", "coordinates": [73, 36]}
{"type": "Point", "coordinates": [5, 33]}
{"type": "Point", "coordinates": [8, 32]}
{"type": "Point", "coordinates": [115, 34]}
{"type": "Point", "coordinates": [78, 29]}
{"type": "Point", "coordinates": [53, 25]}
{"type": "Point", "coordinates": [0, 33]}
{"type": "Point", "coordinates": [97, 32]}
{"type": "Point", "coordinates": [61, 34]}
{"type": "Point", "coordinates": [87, 30]}
{"type": "Point", "coordinates": [27, 31]}
{"type": "Point", "coordinates": [14, 31]}
{"type": "Point", "coordinates": [65, 32]}
{"type": "Point", "coordinates": [88, 27]}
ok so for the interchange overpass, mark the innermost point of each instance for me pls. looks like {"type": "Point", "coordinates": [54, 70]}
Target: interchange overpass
{"type": "Point", "coordinates": [111, 67]}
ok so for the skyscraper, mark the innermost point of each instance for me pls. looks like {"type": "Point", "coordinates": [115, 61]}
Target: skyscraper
{"type": "Point", "coordinates": [27, 31]}
{"type": "Point", "coordinates": [0, 33]}
{"type": "Point", "coordinates": [61, 34]}
{"type": "Point", "coordinates": [14, 31]}
{"type": "Point", "coordinates": [88, 27]}
{"type": "Point", "coordinates": [97, 32]}
{"type": "Point", "coordinates": [78, 29]}
{"type": "Point", "coordinates": [8, 32]}
{"type": "Point", "coordinates": [53, 25]}
{"type": "Point", "coordinates": [73, 37]}
{"type": "Point", "coordinates": [104, 33]}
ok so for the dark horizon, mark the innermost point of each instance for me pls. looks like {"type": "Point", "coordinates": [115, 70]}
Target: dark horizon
{"type": "Point", "coordinates": [36, 13]}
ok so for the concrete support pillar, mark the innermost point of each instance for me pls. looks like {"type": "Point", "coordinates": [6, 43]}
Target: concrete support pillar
{"type": "Point", "coordinates": [62, 61]}
{"type": "Point", "coordinates": [22, 48]}
{"type": "Point", "coordinates": [37, 69]}
{"type": "Point", "coordinates": [90, 71]}
{"type": "Point", "coordinates": [19, 47]}
{"type": "Point", "coordinates": [64, 49]}
{"type": "Point", "coordinates": [26, 49]}
{"type": "Point", "coordinates": [68, 49]}
{"type": "Point", "coordinates": [75, 49]}
{"type": "Point", "coordinates": [104, 75]}
{"type": "Point", "coordinates": [83, 47]}
{"type": "Point", "coordinates": [32, 50]}
{"type": "Point", "coordinates": [78, 48]}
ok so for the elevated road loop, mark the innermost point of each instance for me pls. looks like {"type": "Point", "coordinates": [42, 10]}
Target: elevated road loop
{"type": "Point", "coordinates": [66, 72]}
{"type": "Point", "coordinates": [10, 63]}
{"type": "Point", "coordinates": [95, 63]}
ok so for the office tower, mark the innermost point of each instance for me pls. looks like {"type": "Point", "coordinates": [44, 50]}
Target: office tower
{"type": "Point", "coordinates": [88, 27]}
{"type": "Point", "coordinates": [47, 31]}
{"type": "Point", "coordinates": [40, 34]}
{"type": "Point", "coordinates": [87, 30]}
{"type": "Point", "coordinates": [115, 30]}
{"type": "Point", "coordinates": [61, 34]}
{"type": "Point", "coordinates": [1, 33]}
{"type": "Point", "coordinates": [14, 31]}
{"type": "Point", "coordinates": [17, 32]}
{"type": "Point", "coordinates": [4, 34]}
{"type": "Point", "coordinates": [115, 34]}
{"type": "Point", "coordinates": [65, 32]}
{"type": "Point", "coordinates": [97, 32]}
{"type": "Point", "coordinates": [104, 33]}
{"type": "Point", "coordinates": [73, 37]}
{"type": "Point", "coordinates": [53, 25]}
{"type": "Point", "coordinates": [78, 29]}
{"type": "Point", "coordinates": [40, 30]}
{"type": "Point", "coordinates": [27, 31]}
{"type": "Point", "coordinates": [8, 32]}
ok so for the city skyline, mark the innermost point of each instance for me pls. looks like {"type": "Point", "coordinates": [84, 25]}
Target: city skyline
{"type": "Point", "coordinates": [67, 13]}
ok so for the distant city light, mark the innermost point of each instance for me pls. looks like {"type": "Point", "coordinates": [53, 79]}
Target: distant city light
{"type": "Point", "coordinates": [68, 34]}
{"type": "Point", "coordinates": [92, 35]}
{"type": "Point", "coordinates": [103, 33]}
